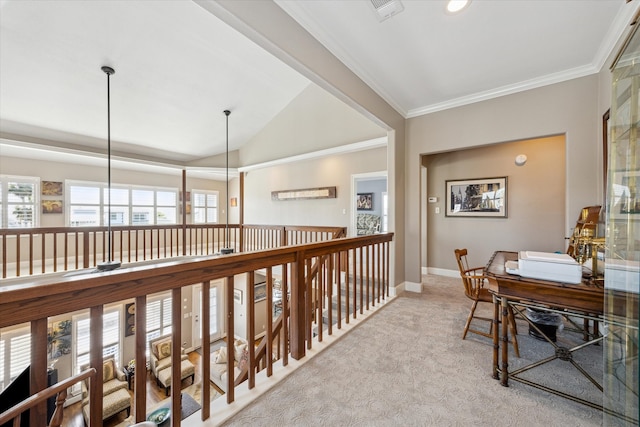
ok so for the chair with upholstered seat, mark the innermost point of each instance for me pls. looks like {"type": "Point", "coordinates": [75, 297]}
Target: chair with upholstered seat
{"type": "Point", "coordinates": [473, 280]}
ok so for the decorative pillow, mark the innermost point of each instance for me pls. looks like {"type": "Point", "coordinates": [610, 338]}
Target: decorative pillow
{"type": "Point", "coordinates": [244, 359]}
{"type": "Point", "coordinates": [220, 356]}
{"type": "Point", "coordinates": [155, 348]}
{"type": "Point", "coordinates": [239, 347]}
{"type": "Point", "coordinates": [108, 370]}
{"type": "Point", "coordinates": [164, 350]}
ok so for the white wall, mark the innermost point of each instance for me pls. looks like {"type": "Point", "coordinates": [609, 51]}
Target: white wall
{"type": "Point", "coordinates": [324, 172]}
{"type": "Point", "coordinates": [314, 120]}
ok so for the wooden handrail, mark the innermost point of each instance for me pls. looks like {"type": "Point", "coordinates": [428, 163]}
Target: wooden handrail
{"type": "Point", "coordinates": [59, 389]}
{"type": "Point", "coordinates": [36, 298]}
{"type": "Point", "coordinates": [29, 251]}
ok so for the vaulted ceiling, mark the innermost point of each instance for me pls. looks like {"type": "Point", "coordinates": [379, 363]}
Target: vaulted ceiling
{"type": "Point", "coordinates": [178, 66]}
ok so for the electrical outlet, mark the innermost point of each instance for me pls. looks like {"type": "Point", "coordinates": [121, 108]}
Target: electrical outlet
{"type": "Point", "coordinates": [437, 209]}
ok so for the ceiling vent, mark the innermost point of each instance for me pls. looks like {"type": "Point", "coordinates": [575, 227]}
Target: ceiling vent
{"type": "Point", "coordinates": [386, 8]}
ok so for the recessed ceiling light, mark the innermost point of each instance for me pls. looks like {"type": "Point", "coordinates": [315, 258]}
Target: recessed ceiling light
{"type": "Point", "coordinates": [455, 6]}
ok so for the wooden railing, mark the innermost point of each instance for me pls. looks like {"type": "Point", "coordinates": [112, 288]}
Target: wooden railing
{"type": "Point", "coordinates": [59, 390]}
{"type": "Point", "coordinates": [31, 251]}
{"type": "Point", "coordinates": [324, 285]}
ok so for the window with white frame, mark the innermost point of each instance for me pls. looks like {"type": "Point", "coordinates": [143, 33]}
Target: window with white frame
{"type": "Point", "coordinates": [15, 354]}
{"type": "Point", "coordinates": [19, 200]}
{"type": "Point", "coordinates": [204, 206]}
{"type": "Point", "coordinates": [91, 204]}
{"type": "Point", "coordinates": [110, 337]}
{"type": "Point", "coordinates": [385, 212]}
{"type": "Point", "coordinates": [158, 317]}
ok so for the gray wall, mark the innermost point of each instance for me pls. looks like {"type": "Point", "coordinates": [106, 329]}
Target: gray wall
{"type": "Point", "coordinates": [535, 201]}
{"type": "Point", "coordinates": [569, 108]}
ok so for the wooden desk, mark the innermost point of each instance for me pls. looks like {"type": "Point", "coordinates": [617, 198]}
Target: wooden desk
{"type": "Point", "coordinates": [585, 300]}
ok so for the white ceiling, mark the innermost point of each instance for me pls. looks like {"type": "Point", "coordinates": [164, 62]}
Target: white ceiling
{"type": "Point", "coordinates": [424, 59]}
{"type": "Point", "coordinates": [178, 66]}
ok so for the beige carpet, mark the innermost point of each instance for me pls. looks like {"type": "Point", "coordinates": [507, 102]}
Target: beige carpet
{"type": "Point", "coordinates": [408, 366]}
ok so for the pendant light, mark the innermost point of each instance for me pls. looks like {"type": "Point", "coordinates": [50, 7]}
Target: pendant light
{"type": "Point", "coordinates": [110, 264]}
{"type": "Point", "coordinates": [227, 249]}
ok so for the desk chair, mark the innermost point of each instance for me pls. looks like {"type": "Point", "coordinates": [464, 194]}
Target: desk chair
{"type": "Point", "coordinates": [473, 280]}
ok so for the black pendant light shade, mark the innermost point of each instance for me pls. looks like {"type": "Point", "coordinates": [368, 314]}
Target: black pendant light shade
{"type": "Point", "coordinates": [227, 249]}
{"type": "Point", "coordinates": [109, 264]}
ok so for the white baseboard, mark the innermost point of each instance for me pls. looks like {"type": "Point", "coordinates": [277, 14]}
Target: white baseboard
{"type": "Point", "coordinates": [412, 287]}
{"type": "Point", "coordinates": [443, 272]}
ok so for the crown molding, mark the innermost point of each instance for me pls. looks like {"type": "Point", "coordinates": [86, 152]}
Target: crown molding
{"type": "Point", "coordinates": [343, 149]}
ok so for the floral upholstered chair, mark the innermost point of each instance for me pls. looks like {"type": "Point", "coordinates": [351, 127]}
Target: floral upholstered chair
{"type": "Point", "coordinates": [115, 392]}
{"type": "Point", "coordinates": [367, 224]}
{"type": "Point", "coordinates": [160, 362]}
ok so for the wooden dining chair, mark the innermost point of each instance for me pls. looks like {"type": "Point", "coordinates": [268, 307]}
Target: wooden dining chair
{"type": "Point", "coordinates": [473, 280]}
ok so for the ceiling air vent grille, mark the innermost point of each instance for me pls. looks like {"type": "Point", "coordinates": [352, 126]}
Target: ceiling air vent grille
{"type": "Point", "coordinates": [386, 8]}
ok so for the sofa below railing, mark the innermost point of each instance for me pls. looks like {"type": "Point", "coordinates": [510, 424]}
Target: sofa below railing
{"type": "Point", "coordinates": [324, 286]}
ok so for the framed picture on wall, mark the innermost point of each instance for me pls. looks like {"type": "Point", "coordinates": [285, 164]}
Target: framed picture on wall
{"type": "Point", "coordinates": [483, 197]}
{"type": "Point", "coordinates": [364, 201]}
{"type": "Point", "coordinates": [260, 292]}
{"type": "Point", "coordinates": [237, 296]}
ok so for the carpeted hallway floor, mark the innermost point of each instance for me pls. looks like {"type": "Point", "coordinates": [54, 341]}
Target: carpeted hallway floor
{"type": "Point", "coordinates": [408, 366]}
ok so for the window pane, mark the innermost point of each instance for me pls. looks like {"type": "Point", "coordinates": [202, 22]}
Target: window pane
{"type": "Point", "coordinates": [20, 192]}
{"type": "Point", "coordinates": [142, 197]}
{"type": "Point", "coordinates": [166, 216]}
{"type": "Point", "coordinates": [20, 216]}
{"type": "Point", "coordinates": [82, 339]}
{"type": "Point", "coordinates": [199, 199]}
{"type": "Point", "coordinates": [119, 215]}
{"type": "Point", "coordinates": [153, 315]}
{"type": "Point", "coordinates": [212, 200]}
{"type": "Point", "coordinates": [84, 215]}
{"type": "Point", "coordinates": [166, 312]}
{"type": "Point", "coordinates": [212, 215]}
{"type": "Point", "coordinates": [20, 354]}
{"type": "Point", "coordinates": [166, 198]}
{"type": "Point", "coordinates": [111, 329]}
{"type": "Point", "coordinates": [119, 196]}
{"type": "Point", "coordinates": [84, 195]}
{"type": "Point", "coordinates": [199, 215]}
{"type": "Point", "coordinates": [142, 216]}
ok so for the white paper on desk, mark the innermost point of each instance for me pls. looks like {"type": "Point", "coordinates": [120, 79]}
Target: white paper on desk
{"type": "Point", "coordinates": [511, 267]}
{"type": "Point", "coordinates": [549, 266]}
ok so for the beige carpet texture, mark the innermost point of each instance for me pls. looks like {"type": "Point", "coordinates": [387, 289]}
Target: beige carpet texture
{"type": "Point", "coordinates": [408, 366]}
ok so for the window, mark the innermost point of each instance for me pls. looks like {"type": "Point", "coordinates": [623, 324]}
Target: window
{"type": "Point", "coordinates": [385, 212]}
{"type": "Point", "coordinates": [15, 354]}
{"type": "Point", "coordinates": [129, 205]}
{"type": "Point", "coordinates": [110, 337]}
{"type": "Point", "coordinates": [158, 317]}
{"type": "Point", "coordinates": [19, 200]}
{"type": "Point", "coordinates": [205, 207]}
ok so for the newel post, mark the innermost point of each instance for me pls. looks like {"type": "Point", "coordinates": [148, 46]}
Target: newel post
{"type": "Point", "coordinates": [298, 305]}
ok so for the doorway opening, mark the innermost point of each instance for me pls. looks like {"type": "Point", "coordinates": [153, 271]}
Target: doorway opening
{"type": "Point", "coordinates": [370, 208]}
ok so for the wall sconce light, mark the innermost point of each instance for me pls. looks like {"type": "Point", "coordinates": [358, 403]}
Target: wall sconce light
{"type": "Point", "coordinates": [234, 202]}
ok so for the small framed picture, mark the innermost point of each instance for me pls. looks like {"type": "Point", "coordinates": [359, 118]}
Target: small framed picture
{"type": "Point", "coordinates": [364, 201]}
{"type": "Point", "coordinates": [237, 296]}
{"type": "Point", "coordinates": [260, 292]}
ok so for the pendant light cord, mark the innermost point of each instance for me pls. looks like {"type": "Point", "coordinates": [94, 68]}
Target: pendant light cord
{"type": "Point", "coordinates": [110, 264]}
{"type": "Point", "coordinates": [109, 243]}
{"type": "Point", "coordinates": [227, 112]}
